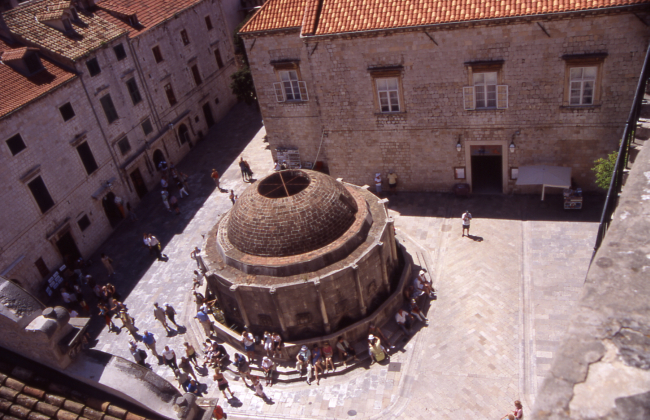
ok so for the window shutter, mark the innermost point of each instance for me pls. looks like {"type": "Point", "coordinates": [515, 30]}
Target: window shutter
{"type": "Point", "coordinates": [279, 94]}
{"type": "Point", "coordinates": [468, 98]}
{"type": "Point", "coordinates": [303, 91]}
{"type": "Point", "coordinates": [502, 96]}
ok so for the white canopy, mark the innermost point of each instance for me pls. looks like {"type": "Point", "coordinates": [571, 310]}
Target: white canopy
{"type": "Point", "coordinates": [547, 176]}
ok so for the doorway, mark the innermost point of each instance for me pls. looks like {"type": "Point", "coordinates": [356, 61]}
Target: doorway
{"type": "Point", "coordinates": [207, 111]}
{"type": "Point", "coordinates": [68, 249]}
{"type": "Point", "coordinates": [158, 156]}
{"type": "Point", "coordinates": [184, 134]}
{"type": "Point", "coordinates": [110, 208]}
{"type": "Point", "coordinates": [487, 169]}
{"type": "Point", "coordinates": [138, 183]}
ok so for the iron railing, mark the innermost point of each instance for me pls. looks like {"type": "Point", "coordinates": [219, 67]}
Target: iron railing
{"type": "Point", "coordinates": [616, 184]}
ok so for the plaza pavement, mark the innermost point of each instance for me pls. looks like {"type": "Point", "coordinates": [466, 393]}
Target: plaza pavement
{"type": "Point", "coordinates": [504, 295]}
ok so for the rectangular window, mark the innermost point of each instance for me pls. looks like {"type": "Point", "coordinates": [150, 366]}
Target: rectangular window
{"type": "Point", "coordinates": [184, 37]}
{"type": "Point", "coordinates": [208, 23]}
{"type": "Point", "coordinates": [109, 108]}
{"type": "Point", "coordinates": [93, 67]}
{"type": "Point", "coordinates": [124, 145]}
{"type": "Point", "coordinates": [42, 268]}
{"type": "Point", "coordinates": [196, 75]}
{"type": "Point", "coordinates": [67, 112]}
{"type": "Point", "coordinates": [290, 85]}
{"type": "Point", "coordinates": [170, 94]}
{"type": "Point", "coordinates": [16, 144]}
{"type": "Point", "coordinates": [83, 223]}
{"type": "Point", "coordinates": [120, 53]}
{"type": "Point", "coordinates": [485, 90]}
{"type": "Point", "coordinates": [133, 91]}
{"type": "Point", "coordinates": [157, 55]}
{"type": "Point", "coordinates": [217, 55]}
{"type": "Point", "coordinates": [41, 194]}
{"type": "Point", "coordinates": [388, 93]}
{"type": "Point", "coordinates": [147, 127]}
{"type": "Point", "coordinates": [582, 85]}
{"type": "Point", "coordinates": [87, 157]}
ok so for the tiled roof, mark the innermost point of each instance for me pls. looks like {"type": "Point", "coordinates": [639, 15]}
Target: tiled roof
{"type": "Point", "coordinates": [18, 90]}
{"type": "Point", "coordinates": [24, 395]}
{"type": "Point", "coordinates": [339, 16]}
{"type": "Point", "coordinates": [15, 54]}
{"type": "Point", "coordinates": [92, 34]}
{"type": "Point", "coordinates": [277, 14]}
{"type": "Point", "coordinates": [149, 12]}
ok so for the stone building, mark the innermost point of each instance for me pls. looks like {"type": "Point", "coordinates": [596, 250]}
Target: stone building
{"type": "Point", "coordinates": [88, 113]}
{"type": "Point", "coordinates": [302, 254]}
{"type": "Point", "coordinates": [444, 93]}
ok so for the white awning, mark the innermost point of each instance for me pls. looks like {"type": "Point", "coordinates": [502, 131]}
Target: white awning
{"type": "Point", "coordinates": [544, 175]}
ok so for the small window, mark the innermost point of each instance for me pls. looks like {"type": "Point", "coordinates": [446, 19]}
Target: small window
{"type": "Point", "coordinates": [147, 127]}
{"type": "Point", "coordinates": [484, 92]}
{"type": "Point", "coordinates": [582, 85]}
{"type": "Point", "coordinates": [157, 55]}
{"type": "Point", "coordinates": [388, 93]}
{"type": "Point", "coordinates": [485, 89]}
{"type": "Point", "coordinates": [41, 194]}
{"type": "Point", "coordinates": [84, 222]}
{"type": "Point", "coordinates": [170, 94]}
{"type": "Point", "coordinates": [42, 268]}
{"type": "Point", "coordinates": [120, 53]}
{"type": "Point", "coordinates": [109, 108]}
{"type": "Point", "coordinates": [217, 55]}
{"type": "Point", "coordinates": [93, 67]}
{"type": "Point", "coordinates": [196, 75]}
{"type": "Point", "coordinates": [290, 84]}
{"type": "Point", "coordinates": [33, 63]}
{"type": "Point", "coordinates": [124, 145]}
{"type": "Point", "coordinates": [184, 37]}
{"type": "Point", "coordinates": [134, 91]}
{"type": "Point", "coordinates": [208, 23]}
{"type": "Point", "coordinates": [67, 112]}
{"type": "Point", "coordinates": [87, 157]}
{"type": "Point", "coordinates": [16, 144]}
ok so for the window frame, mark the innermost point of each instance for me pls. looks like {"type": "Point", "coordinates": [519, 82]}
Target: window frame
{"type": "Point", "coordinates": [113, 116]}
{"type": "Point", "coordinates": [208, 23]}
{"type": "Point", "coordinates": [501, 89]}
{"type": "Point", "coordinates": [84, 222]}
{"type": "Point", "coordinates": [385, 73]}
{"type": "Point", "coordinates": [134, 91]}
{"type": "Point", "coordinates": [121, 55]}
{"type": "Point", "coordinates": [124, 151]}
{"type": "Point", "coordinates": [157, 54]}
{"type": "Point", "coordinates": [196, 74]}
{"type": "Point", "coordinates": [217, 56]}
{"type": "Point", "coordinates": [171, 96]}
{"type": "Point", "coordinates": [87, 157]}
{"type": "Point", "coordinates": [280, 88]}
{"type": "Point", "coordinates": [22, 141]}
{"type": "Point", "coordinates": [583, 61]}
{"type": "Point", "coordinates": [142, 125]}
{"type": "Point", "coordinates": [185, 39]}
{"type": "Point", "coordinates": [46, 201]}
{"type": "Point", "coordinates": [67, 104]}
{"type": "Point", "coordinates": [92, 71]}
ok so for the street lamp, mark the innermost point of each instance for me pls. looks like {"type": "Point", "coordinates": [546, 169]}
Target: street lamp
{"type": "Point", "coordinates": [512, 142]}
{"type": "Point", "coordinates": [459, 146]}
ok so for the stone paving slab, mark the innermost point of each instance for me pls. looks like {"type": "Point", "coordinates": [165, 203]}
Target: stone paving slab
{"type": "Point", "coordinates": [503, 297]}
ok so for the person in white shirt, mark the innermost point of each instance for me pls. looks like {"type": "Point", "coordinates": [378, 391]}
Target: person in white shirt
{"type": "Point", "coordinates": [378, 183]}
{"type": "Point", "coordinates": [466, 217]}
{"type": "Point", "coordinates": [404, 320]}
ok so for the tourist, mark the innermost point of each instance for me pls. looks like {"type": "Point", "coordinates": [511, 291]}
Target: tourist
{"type": "Point", "coordinates": [149, 341]}
{"type": "Point", "coordinates": [196, 280]}
{"type": "Point", "coordinates": [392, 181]}
{"type": "Point", "coordinates": [242, 367]}
{"type": "Point", "coordinates": [155, 245]}
{"type": "Point", "coordinates": [222, 383]}
{"type": "Point", "coordinates": [257, 384]}
{"type": "Point", "coordinates": [277, 345]}
{"type": "Point", "coordinates": [139, 355]}
{"type": "Point", "coordinates": [159, 314]}
{"type": "Point", "coordinates": [422, 286]}
{"type": "Point", "coordinates": [375, 349]}
{"type": "Point", "coordinates": [517, 414]}
{"type": "Point", "coordinates": [198, 299]}
{"type": "Point", "coordinates": [196, 256]}
{"type": "Point", "coordinates": [268, 343]}
{"type": "Point", "coordinates": [182, 378]}
{"type": "Point", "coordinates": [181, 188]}
{"type": "Point", "coordinates": [246, 173]}
{"type": "Point", "coordinates": [169, 358]}
{"type": "Point", "coordinates": [190, 353]}
{"type": "Point", "coordinates": [276, 165]}
{"type": "Point", "coordinates": [205, 322]}
{"type": "Point", "coordinates": [303, 358]}
{"type": "Point", "coordinates": [106, 313]}
{"type": "Point", "coordinates": [163, 183]}
{"type": "Point", "coordinates": [164, 194]}
{"type": "Point", "coordinates": [186, 367]}
{"type": "Point", "coordinates": [108, 264]}
{"type": "Point", "coordinates": [345, 350]}
{"type": "Point", "coordinates": [215, 177]}
{"type": "Point", "coordinates": [171, 313]}
{"type": "Point", "coordinates": [128, 323]}
{"type": "Point", "coordinates": [317, 361]}
{"type": "Point", "coordinates": [248, 341]}
{"type": "Point", "coordinates": [404, 320]}
{"type": "Point", "coordinates": [376, 331]}
{"type": "Point", "coordinates": [232, 196]}
{"type": "Point", "coordinates": [268, 367]}
{"type": "Point", "coordinates": [328, 353]}
{"type": "Point", "coordinates": [466, 217]}
{"type": "Point", "coordinates": [173, 202]}
{"type": "Point", "coordinates": [378, 183]}
{"type": "Point", "coordinates": [414, 310]}
{"type": "Point", "coordinates": [193, 388]}
{"type": "Point", "coordinates": [220, 356]}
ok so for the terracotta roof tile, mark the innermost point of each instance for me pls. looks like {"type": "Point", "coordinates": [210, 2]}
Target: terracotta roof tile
{"type": "Point", "coordinates": [18, 89]}
{"type": "Point", "coordinates": [149, 12]}
{"type": "Point", "coordinates": [92, 33]}
{"type": "Point", "coordinates": [339, 16]}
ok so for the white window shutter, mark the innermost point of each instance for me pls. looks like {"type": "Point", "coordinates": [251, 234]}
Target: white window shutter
{"type": "Point", "coordinates": [469, 100]}
{"type": "Point", "coordinates": [502, 96]}
{"type": "Point", "coordinates": [279, 94]}
{"type": "Point", "coordinates": [303, 91]}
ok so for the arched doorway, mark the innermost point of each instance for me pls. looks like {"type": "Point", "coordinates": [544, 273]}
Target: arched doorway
{"type": "Point", "coordinates": [184, 134]}
{"type": "Point", "coordinates": [158, 156]}
{"type": "Point", "coordinates": [110, 208]}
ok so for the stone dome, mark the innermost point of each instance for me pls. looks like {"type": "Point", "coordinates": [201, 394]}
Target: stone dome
{"type": "Point", "coordinates": [289, 213]}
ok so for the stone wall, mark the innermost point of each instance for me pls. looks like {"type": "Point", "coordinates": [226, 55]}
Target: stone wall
{"type": "Point", "coordinates": [419, 142]}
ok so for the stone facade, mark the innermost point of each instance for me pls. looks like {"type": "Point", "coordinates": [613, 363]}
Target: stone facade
{"type": "Point", "coordinates": [433, 65]}
{"type": "Point", "coordinates": [126, 149]}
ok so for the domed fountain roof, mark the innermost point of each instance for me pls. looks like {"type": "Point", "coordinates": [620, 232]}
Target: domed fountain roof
{"type": "Point", "coordinates": [289, 213]}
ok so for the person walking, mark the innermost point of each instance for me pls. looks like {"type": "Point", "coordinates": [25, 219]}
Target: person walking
{"type": "Point", "coordinates": [222, 383]}
{"type": "Point", "coordinates": [165, 199]}
{"type": "Point", "coordinates": [171, 313]}
{"type": "Point", "coordinates": [186, 367]}
{"type": "Point", "coordinates": [106, 313]}
{"type": "Point", "coordinates": [190, 352]}
{"type": "Point", "coordinates": [378, 183]}
{"type": "Point", "coordinates": [245, 170]}
{"type": "Point", "coordinates": [129, 323]}
{"type": "Point", "coordinates": [173, 202]}
{"type": "Point", "coordinates": [157, 248]}
{"type": "Point", "coordinates": [233, 197]}
{"type": "Point", "coordinates": [215, 177]}
{"type": "Point", "coordinates": [268, 367]}
{"type": "Point", "coordinates": [248, 341]}
{"type": "Point", "coordinates": [242, 367]}
{"type": "Point", "coordinates": [159, 314]}
{"type": "Point", "coordinates": [149, 340]}
{"type": "Point", "coordinates": [466, 217]}
{"type": "Point", "coordinates": [182, 378]}
{"type": "Point", "coordinates": [169, 358]}
{"type": "Point", "coordinates": [108, 264]}
{"type": "Point", "coordinates": [205, 322]}
{"type": "Point", "coordinates": [196, 256]}
{"type": "Point", "coordinates": [181, 188]}
{"type": "Point", "coordinates": [138, 354]}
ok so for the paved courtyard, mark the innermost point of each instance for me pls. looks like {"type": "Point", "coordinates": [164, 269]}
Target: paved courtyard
{"type": "Point", "coordinates": [504, 295]}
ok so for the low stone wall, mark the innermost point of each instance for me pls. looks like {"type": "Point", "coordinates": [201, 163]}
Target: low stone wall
{"type": "Point", "coordinates": [602, 369]}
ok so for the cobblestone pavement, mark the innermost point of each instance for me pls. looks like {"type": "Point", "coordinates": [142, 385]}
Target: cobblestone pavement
{"type": "Point", "coordinates": [504, 294]}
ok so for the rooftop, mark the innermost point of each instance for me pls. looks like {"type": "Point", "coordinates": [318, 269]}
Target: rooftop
{"type": "Point", "coordinates": [325, 17]}
{"type": "Point", "coordinates": [19, 89]}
